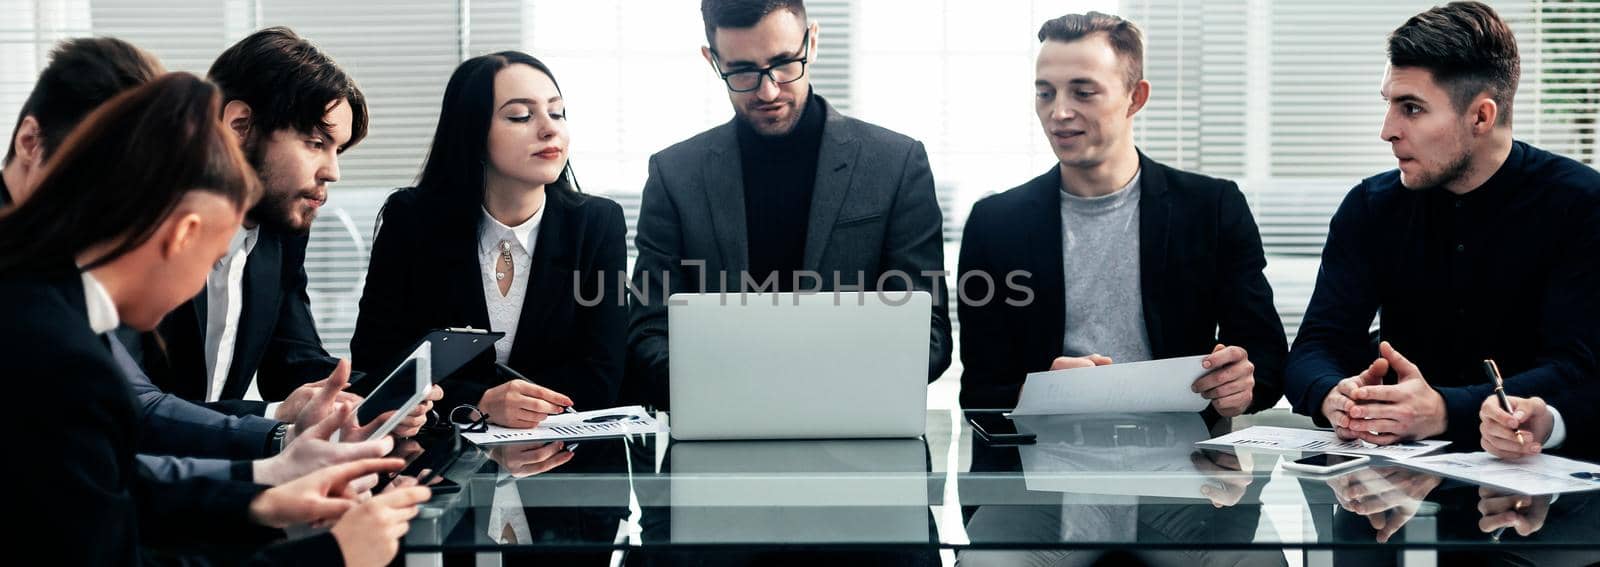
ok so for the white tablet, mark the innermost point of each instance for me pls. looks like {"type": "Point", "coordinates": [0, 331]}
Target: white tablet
{"type": "Point", "coordinates": [400, 392]}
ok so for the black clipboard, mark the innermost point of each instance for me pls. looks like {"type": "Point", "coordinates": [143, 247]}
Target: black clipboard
{"type": "Point", "coordinates": [454, 348]}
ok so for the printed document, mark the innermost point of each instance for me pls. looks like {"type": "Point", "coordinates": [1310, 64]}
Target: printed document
{"type": "Point", "coordinates": [1287, 439]}
{"type": "Point", "coordinates": [1151, 386]}
{"type": "Point", "coordinates": [612, 422]}
{"type": "Point", "coordinates": [1539, 474]}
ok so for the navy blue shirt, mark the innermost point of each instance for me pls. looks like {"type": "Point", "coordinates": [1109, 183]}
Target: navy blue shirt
{"type": "Point", "coordinates": [1509, 271]}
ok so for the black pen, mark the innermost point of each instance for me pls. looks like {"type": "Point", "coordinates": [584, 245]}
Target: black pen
{"type": "Point", "coordinates": [1493, 370]}
{"type": "Point", "coordinates": [519, 376]}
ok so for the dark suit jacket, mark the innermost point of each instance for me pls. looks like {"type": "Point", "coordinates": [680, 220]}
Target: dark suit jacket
{"type": "Point", "coordinates": [425, 275]}
{"type": "Point", "coordinates": [277, 340]}
{"type": "Point", "coordinates": [1201, 282]}
{"type": "Point", "coordinates": [873, 211]}
{"type": "Point", "coordinates": [88, 500]}
{"type": "Point", "coordinates": [1581, 414]}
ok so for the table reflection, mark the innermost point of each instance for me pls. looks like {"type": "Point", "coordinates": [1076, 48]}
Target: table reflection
{"type": "Point", "coordinates": [1121, 478]}
{"type": "Point", "coordinates": [797, 494]}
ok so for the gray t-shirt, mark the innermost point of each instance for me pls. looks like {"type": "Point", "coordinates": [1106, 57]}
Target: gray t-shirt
{"type": "Point", "coordinates": [1100, 260]}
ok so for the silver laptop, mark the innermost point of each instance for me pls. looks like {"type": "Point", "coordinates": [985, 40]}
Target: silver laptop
{"type": "Point", "coordinates": [798, 366]}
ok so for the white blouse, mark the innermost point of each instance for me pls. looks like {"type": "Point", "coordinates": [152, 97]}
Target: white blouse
{"type": "Point", "coordinates": [505, 311]}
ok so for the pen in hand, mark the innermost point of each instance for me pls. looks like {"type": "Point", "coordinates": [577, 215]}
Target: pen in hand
{"type": "Point", "coordinates": [1493, 370]}
{"type": "Point", "coordinates": [519, 376]}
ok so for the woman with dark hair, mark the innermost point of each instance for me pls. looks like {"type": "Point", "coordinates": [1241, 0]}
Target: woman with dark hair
{"type": "Point", "coordinates": [124, 223]}
{"type": "Point", "coordinates": [497, 236]}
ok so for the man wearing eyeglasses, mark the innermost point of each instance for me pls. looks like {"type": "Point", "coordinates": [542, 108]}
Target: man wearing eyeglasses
{"type": "Point", "coordinates": [790, 195]}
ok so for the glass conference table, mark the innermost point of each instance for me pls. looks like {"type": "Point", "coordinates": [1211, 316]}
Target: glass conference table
{"type": "Point", "coordinates": [1115, 488]}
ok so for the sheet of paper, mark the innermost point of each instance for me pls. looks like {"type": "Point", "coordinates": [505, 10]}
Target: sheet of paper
{"type": "Point", "coordinates": [1152, 386]}
{"type": "Point", "coordinates": [1286, 439]}
{"type": "Point", "coordinates": [611, 422]}
{"type": "Point", "coordinates": [1540, 474]}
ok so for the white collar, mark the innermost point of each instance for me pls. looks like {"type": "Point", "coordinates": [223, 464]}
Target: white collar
{"type": "Point", "coordinates": [245, 239]}
{"type": "Point", "coordinates": [492, 231]}
{"type": "Point", "coordinates": [102, 311]}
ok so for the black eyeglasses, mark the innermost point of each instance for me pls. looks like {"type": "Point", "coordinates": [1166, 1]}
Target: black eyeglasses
{"type": "Point", "coordinates": [469, 419]}
{"type": "Point", "coordinates": [781, 73]}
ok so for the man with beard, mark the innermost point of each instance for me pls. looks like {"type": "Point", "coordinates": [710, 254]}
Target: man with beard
{"type": "Point", "coordinates": [790, 195]}
{"type": "Point", "coordinates": [177, 438]}
{"type": "Point", "coordinates": [249, 337]}
{"type": "Point", "coordinates": [1478, 247]}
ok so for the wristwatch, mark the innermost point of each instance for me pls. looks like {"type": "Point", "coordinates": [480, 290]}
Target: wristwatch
{"type": "Point", "coordinates": [276, 437]}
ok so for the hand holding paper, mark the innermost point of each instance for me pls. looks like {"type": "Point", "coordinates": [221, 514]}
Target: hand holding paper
{"type": "Point", "coordinates": [1068, 362]}
{"type": "Point", "coordinates": [1231, 381]}
{"type": "Point", "coordinates": [1153, 386]}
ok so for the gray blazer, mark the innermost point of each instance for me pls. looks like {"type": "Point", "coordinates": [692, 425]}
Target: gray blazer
{"type": "Point", "coordinates": [166, 468]}
{"type": "Point", "coordinates": [873, 211]}
{"type": "Point", "coordinates": [173, 426]}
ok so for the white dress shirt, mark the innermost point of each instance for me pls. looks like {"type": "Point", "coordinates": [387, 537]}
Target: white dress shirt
{"type": "Point", "coordinates": [1558, 433]}
{"type": "Point", "coordinates": [224, 301]}
{"type": "Point", "coordinates": [102, 311]}
{"type": "Point", "coordinates": [506, 311]}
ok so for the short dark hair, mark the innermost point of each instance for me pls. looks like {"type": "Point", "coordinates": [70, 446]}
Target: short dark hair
{"type": "Point", "coordinates": [288, 83]}
{"type": "Point", "coordinates": [742, 14]}
{"type": "Point", "coordinates": [1125, 38]}
{"type": "Point", "coordinates": [1469, 50]}
{"type": "Point", "coordinates": [122, 172]}
{"type": "Point", "coordinates": [83, 74]}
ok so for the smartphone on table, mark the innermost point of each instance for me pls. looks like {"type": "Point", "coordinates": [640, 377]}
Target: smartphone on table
{"type": "Point", "coordinates": [997, 429]}
{"type": "Point", "coordinates": [1327, 463]}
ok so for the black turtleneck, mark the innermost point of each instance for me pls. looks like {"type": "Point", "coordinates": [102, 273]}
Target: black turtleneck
{"type": "Point", "coordinates": [779, 174]}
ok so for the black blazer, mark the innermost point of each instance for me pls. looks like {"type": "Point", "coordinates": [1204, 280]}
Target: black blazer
{"type": "Point", "coordinates": [1201, 282]}
{"type": "Point", "coordinates": [425, 275]}
{"type": "Point", "coordinates": [89, 502]}
{"type": "Point", "coordinates": [277, 340]}
{"type": "Point", "coordinates": [1583, 425]}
